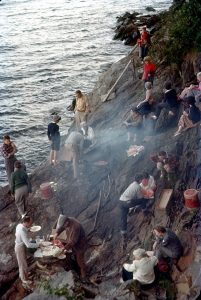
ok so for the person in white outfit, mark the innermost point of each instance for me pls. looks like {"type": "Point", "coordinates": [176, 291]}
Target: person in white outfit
{"type": "Point", "coordinates": [21, 243]}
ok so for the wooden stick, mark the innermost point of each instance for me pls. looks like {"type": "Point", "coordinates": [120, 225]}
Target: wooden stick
{"type": "Point", "coordinates": [99, 203]}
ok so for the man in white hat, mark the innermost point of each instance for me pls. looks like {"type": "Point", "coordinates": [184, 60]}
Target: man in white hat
{"type": "Point", "coordinates": [141, 269]}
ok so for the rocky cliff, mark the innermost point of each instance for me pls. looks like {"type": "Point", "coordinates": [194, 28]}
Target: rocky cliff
{"type": "Point", "coordinates": [93, 200]}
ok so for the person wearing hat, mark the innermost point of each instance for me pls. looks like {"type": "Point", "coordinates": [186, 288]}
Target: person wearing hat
{"type": "Point", "coordinates": [133, 124]}
{"type": "Point", "coordinates": [141, 269]}
{"type": "Point", "coordinates": [54, 136]}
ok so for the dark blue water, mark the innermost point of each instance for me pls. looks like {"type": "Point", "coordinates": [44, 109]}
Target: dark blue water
{"type": "Point", "coordinates": [48, 49]}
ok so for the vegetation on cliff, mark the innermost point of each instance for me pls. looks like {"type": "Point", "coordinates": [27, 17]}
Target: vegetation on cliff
{"type": "Point", "coordinates": [178, 32]}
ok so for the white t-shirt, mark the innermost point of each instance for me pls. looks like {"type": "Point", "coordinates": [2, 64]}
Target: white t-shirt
{"type": "Point", "coordinates": [143, 269]}
{"type": "Point", "coordinates": [133, 191]}
{"type": "Point", "coordinates": [21, 235]}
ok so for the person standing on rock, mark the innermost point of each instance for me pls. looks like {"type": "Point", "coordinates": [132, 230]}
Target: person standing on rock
{"type": "Point", "coordinates": [144, 43]}
{"type": "Point", "coordinates": [8, 151]}
{"type": "Point", "coordinates": [131, 197]}
{"type": "Point", "coordinates": [73, 150]}
{"type": "Point", "coordinates": [81, 109]}
{"type": "Point", "coordinates": [20, 187]}
{"type": "Point", "coordinates": [149, 70]}
{"type": "Point", "coordinates": [76, 241]}
{"type": "Point", "coordinates": [54, 136]}
{"type": "Point", "coordinates": [21, 243]}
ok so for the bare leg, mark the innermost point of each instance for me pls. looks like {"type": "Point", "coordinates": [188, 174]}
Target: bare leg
{"type": "Point", "coordinates": [55, 154]}
{"type": "Point", "coordinates": [51, 157]}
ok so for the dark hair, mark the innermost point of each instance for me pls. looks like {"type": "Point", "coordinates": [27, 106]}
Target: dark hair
{"type": "Point", "coordinates": [145, 175]}
{"type": "Point", "coordinates": [138, 177]}
{"type": "Point", "coordinates": [79, 93]}
{"type": "Point", "coordinates": [160, 229]}
{"type": "Point", "coordinates": [168, 85]}
{"type": "Point", "coordinates": [191, 100]}
{"type": "Point", "coordinates": [6, 137]}
{"type": "Point", "coordinates": [18, 164]}
{"type": "Point", "coordinates": [162, 153]}
{"type": "Point", "coordinates": [26, 219]}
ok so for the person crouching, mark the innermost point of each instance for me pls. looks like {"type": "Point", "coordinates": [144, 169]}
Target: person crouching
{"type": "Point", "coordinates": [141, 271]}
{"type": "Point", "coordinates": [133, 124]}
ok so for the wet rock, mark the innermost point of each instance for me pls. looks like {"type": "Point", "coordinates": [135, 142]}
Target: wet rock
{"type": "Point", "coordinates": [150, 8]}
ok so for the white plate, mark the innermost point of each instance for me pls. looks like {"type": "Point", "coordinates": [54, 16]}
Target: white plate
{"type": "Point", "coordinates": [61, 256]}
{"type": "Point", "coordinates": [45, 243]}
{"type": "Point", "coordinates": [35, 228]}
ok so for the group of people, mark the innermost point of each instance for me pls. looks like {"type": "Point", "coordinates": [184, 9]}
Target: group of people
{"type": "Point", "coordinates": [75, 240]}
{"type": "Point", "coordinates": [145, 114]}
{"type": "Point", "coordinates": [138, 195]}
{"type": "Point", "coordinates": [19, 183]}
{"type": "Point", "coordinates": [77, 140]}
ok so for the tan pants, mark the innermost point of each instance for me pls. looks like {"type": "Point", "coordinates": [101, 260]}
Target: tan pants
{"type": "Point", "coordinates": [21, 196]}
{"type": "Point", "coordinates": [80, 116]}
{"type": "Point", "coordinates": [185, 122]}
{"type": "Point", "coordinates": [20, 252]}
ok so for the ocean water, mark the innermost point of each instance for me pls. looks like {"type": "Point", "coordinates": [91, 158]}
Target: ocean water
{"type": "Point", "coordinates": [48, 49]}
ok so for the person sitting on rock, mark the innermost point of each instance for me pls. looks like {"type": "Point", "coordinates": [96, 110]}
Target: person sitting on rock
{"type": "Point", "coordinates": [141, 271]}
{"type": "Point", "coordinates": [190, 118]}
{"type": "Point", "coordinates": [75, 240]}
{"type": "Point", "coordinates": [54, 137]}
{"type": "Point", "coordinates": [167, 164]}
{"type": "Point", "coordinates": [170, 101]}
{"type": "Point", "coordinates": [81, 109]}
{"type": "Point", "coordinates": [133, 124]}
{"type": "Point", "coordinates": [148, 185]}
{"type": "Point", "coordinates": [131, 197]}
{"type": "Point", "coordinates": [21, 243]}
{"type": "Point", "coordinates": [143, 42]}
{"type": "Point", "coordinates": [73, 150]}
{"type": "Point", "coordinates": [145, 106]}
{"type": "Point", "coordinates": [8, 150]}
{"type": "Point", "coordinates": [167, 245]}
{"type": "Point", "coordinates": [149, 70]}
{"type": "Point", "coordinates": [20, 187]}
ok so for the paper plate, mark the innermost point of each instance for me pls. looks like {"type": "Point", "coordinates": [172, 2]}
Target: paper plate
{"type": "Point", "coordinates": [61, 256]}
{"type": "Point", "coordinates": [46, 243]}
{"type": "Point", "coordinates": [35, 228]}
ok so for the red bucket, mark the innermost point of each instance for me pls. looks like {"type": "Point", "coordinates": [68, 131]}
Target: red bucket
{"type": "Point", "coordinates": [191, 198]}
{"type": "Point", "coordinates": [46, 190]}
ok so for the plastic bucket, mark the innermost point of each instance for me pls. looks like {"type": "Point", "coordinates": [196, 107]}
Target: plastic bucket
{"type": "Point", "coordinates": [46, 190]}
{"type": "Point", "coordinates": [191, 198]}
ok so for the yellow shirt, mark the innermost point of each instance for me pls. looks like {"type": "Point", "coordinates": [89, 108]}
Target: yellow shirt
{"type": "Point", "coordinates": [82, 104]}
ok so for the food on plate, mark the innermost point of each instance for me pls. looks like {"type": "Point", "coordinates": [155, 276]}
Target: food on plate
{"type": "Point", "coordinates": [45, 244]}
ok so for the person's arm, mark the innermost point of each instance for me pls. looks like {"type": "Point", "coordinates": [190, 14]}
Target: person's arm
{"type": "Point", "coordinates": [87, 105]}
{"type": "Point", "coordinates": [4, 152]}
{"type": "Point", "coordinates": [25, 240]}
{"type": "Point", "coordinates": [48, 133]}
{"type": "Point", "coordinates": [28, 182]}
{"type": "Point", "coordinates": [73, 236]}
{"type": "Point", "coordinates": [130, 267]}
{"type": "Point", "coordinates": [14, 150]}
{"type": "Point", "coordinates": [12, 184]}
{"type": "Point", "coordinates": [152, 184]}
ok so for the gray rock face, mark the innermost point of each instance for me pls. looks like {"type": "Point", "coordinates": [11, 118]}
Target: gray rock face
{"type": "Point", "coordinates": [36, 296]}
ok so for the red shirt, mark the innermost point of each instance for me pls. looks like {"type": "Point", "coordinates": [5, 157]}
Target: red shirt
{"type": "Point", "coordinates": [149, 69]}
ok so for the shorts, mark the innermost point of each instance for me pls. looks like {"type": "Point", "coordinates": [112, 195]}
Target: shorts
{"type": "Point", "coordinates": [55, 145]}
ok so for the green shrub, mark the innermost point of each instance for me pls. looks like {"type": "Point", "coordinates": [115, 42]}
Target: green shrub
{"type": "Point", "coordinates": [63, 291]}
{"type": "Point", "coordinates": [179, 32]}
